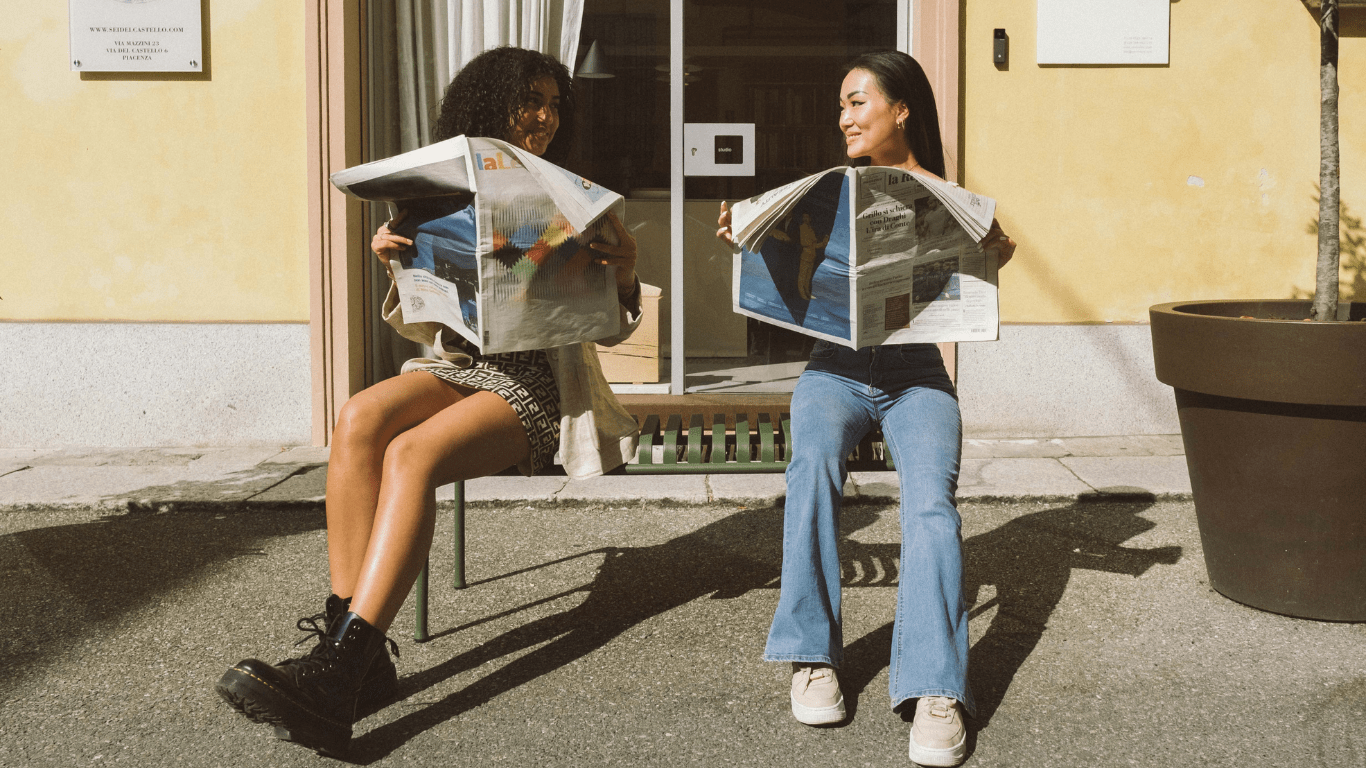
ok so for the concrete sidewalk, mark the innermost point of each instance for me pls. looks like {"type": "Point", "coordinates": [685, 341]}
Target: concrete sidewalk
{"type": "Point", "coordinates": [1146, 466]}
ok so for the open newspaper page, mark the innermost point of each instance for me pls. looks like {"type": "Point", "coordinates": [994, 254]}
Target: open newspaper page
{"type": "Point", "coordinates": [794, 267]}
{"type": "Point", "coordinates": [920, 275]}
{"type": "Point", "coordinates": [752, 218]}
{"type": "Point", "coordinates": [500, 243]}
{"type": "Point", "coordinates": [865, 256]}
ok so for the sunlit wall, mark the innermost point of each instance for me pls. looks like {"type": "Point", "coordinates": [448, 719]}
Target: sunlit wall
{"type": "Point", "coordinates": [1130, 186]}
{"type": "Point", "coordinates": [155, 197]}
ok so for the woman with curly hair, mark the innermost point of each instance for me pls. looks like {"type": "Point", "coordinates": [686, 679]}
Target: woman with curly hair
{"type": "Point", "coordinates": [461, 416]}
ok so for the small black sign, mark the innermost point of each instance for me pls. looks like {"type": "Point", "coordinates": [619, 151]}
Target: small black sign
{"type": "Point", "coordinates": [730, 150]}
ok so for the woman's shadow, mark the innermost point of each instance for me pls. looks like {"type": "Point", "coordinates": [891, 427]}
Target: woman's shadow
{"type": "Point", "coordinates": [1029, 559]}
{"type": "Point", "coordinates": [722, 560]}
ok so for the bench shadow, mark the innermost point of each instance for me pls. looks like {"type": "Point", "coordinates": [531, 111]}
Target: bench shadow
{"type": "Point", "coordinates": [724, 559]}
{"type": "Point", "coordinates": [66, 584]}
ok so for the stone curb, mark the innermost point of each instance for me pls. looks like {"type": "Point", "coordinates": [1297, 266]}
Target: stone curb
{"type": "Point", "coordinates": [149, 482]}
{"type": "Point", "coordinates": [151, 507]}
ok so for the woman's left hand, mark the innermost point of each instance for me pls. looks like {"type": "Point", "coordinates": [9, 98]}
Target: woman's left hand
{"type": "Point", "coordinates": [623, 255]}
{"type": "Point", "coordinates": [723, 226]}
{"type": "Point", "coordinates": [997, 240]}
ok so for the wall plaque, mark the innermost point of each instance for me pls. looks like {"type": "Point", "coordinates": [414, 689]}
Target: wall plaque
{"type": "Point", "coordinates": [136, 36]}
{"type": "Point", "coordinates": [1104, 31]}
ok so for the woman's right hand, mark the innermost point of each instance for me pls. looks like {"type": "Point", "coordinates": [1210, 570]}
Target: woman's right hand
{"type": "Point", "coordinates": [997, 240]}
{"type": "Point", "coordinates": [723, 222]}
{"type": "Point", "coordinates": [386, 244]}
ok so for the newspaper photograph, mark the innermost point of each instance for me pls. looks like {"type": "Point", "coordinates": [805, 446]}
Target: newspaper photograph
{"type": "Point", "coordinates": [500, 243]}
{"type": "Point", "coordinates": [866, 256]}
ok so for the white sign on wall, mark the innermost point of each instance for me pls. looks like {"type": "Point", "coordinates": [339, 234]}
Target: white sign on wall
{"type": "Point", "coordinates": [136, 36]}
{"type": "Point", "coordinates": [1104, 31]}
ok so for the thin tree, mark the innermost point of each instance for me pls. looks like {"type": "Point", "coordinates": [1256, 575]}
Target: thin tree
{"type": "Point", "coordinates": [1329, 262]}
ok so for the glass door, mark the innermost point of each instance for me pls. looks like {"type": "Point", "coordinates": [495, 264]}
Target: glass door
{"type": "Point", "coordinates": [648, 73]}
{"type": "Point", "coordinates": [625, 143]}
{"type": "Point", "coordinates": [651, 72]}
{"type": "Point", "coordinates": [760, 109]}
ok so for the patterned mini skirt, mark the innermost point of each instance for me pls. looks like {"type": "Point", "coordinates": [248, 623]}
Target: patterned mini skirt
{"type": "Point", "coordinates": [526, 381]}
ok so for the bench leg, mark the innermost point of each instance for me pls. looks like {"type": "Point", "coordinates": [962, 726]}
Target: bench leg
{"type": "Point", "coordinates": [459, 535]}
{"type": "Point", "coordinates": [420, 634]}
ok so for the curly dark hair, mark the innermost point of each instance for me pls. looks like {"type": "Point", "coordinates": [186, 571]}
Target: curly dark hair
{"type": "Point", "coordinates": [900, 78]}
{"type": "Point", "coordinates": [486, 96]}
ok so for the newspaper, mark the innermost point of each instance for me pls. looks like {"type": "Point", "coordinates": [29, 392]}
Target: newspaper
{"type": "Point", "coordinates": [500, 243]}
{"type": "Point", "coordinates": [865, 256]}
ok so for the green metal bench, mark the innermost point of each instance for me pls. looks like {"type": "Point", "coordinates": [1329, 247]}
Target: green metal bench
{"type": "Point", "coordinates": [763, 447]}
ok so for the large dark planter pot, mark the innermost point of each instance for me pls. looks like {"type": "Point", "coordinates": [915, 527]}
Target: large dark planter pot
{"type": "Point", "coordinates": [1273, 416]}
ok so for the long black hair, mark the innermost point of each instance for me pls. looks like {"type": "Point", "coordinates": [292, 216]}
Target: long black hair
{"type": "Point", "coordinates": [487, 94]}
{"type": "Point", "coordinates": [901, 79]}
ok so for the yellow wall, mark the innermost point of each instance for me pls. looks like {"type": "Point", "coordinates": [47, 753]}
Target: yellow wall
{"type": "Point", "coordinates": [1092, 166]}
{"type": "Point", "coordinates": [155, 197]}
{"type": "Point", "coordinates": [179, 199]}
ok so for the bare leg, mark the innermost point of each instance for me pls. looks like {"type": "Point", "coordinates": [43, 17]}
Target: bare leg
{"type": "Point", "coordinates": [368, 423]}
{"type": "Point", "coordinates": [478, 435]}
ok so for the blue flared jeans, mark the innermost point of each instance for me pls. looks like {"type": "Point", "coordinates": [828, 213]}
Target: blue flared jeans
{"type": "Point", "coordinates": [841, 396]}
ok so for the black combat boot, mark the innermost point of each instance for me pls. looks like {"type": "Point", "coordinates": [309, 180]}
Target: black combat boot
{"type": "Point", "coordinates": [380, 686]}
{"type": "Point", "coordinates": [381, 683]}
{"type": "Point", "coordinates": [313, 697]}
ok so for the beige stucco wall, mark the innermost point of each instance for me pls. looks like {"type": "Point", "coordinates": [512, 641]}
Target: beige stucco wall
{"type": "Point", "coordinates": [1098, 170]}
{"type": "Point", "coordinates": [181, 199]}
{"type": "Point", "coordinates": [155, 197]}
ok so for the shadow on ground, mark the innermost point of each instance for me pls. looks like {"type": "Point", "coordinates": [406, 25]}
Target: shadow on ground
{"type": "Point", "coordinates": [68, 584]}
{"type": "Point", "coordinates": [1029, 560]}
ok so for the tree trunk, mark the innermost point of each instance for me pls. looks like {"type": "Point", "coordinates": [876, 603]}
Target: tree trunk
{"type": "Point", "coordinates": [1329, 262]}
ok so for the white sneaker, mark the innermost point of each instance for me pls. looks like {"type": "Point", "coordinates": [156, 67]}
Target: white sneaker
{"type": "Point", "coordinates": [816, 697]}
{"type": "Point", "coordinates": [938, 736]}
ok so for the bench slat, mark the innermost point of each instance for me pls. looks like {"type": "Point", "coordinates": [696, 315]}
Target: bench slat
{"type": "Point", "coordinates": [766, 438]}
{"type": "Point", "coordinates": [671, 431]}
{"type": "Point", "coordinates": [645, 453]}
{"type": "Point", "coordinates": [742, 451]}
{"type": "Point", "coordinates": [718, 438]}
{"type": "Point", "coordinates": [695, 439]}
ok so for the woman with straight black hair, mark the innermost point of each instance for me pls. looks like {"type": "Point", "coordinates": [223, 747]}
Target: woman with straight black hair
{"type": "Point", "coordinates": [460, 416]}
{"type": "Point", "coordinates": [888, 118]}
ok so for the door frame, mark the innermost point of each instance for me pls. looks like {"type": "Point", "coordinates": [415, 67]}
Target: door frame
{"type": "Point", "coordinates": [335, 54]}
{"type": "Point", "coordinates": [339, 309]}
{"type": "Point", "coordinates": [929, 30]}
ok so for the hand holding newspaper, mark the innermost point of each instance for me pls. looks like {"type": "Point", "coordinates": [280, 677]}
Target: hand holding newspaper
{"type": "Point", "coordinates": [500, 243]}
{"type": "Point", "coordinates": [866, 256]}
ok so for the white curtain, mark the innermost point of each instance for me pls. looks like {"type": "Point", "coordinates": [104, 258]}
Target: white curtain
{"type": "Point", "coordinates": [548, 26]}
{"type": "Point", "coordinates": [416, 47]}
{"type": "Point", "coordinates": [421, 44]}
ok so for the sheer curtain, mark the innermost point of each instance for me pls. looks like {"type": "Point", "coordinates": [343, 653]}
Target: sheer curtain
{"type": "Point", "coordinates": [416, 47]}
{"type": "Point", "coordinates": [548, 26]}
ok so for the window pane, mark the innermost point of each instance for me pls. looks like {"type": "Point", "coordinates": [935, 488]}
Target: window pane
{"type": "Point", "coordinates": [776, 64]}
